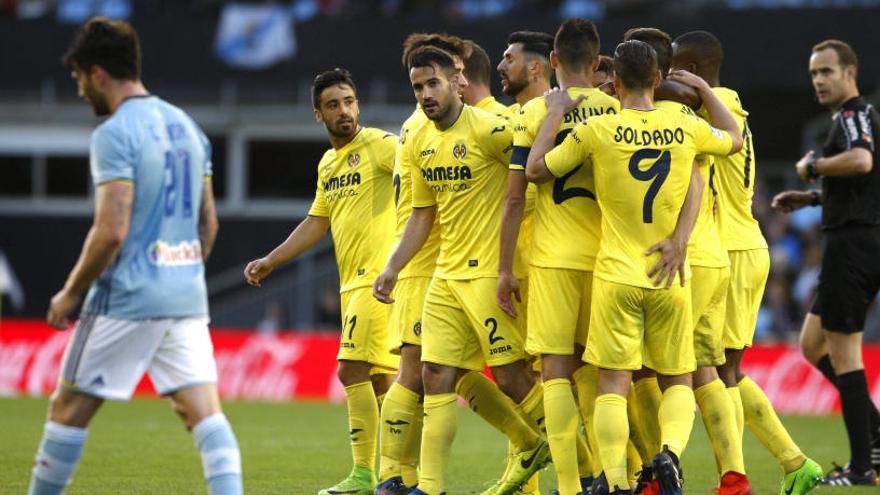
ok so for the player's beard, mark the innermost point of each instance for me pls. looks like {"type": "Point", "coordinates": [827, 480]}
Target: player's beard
{"type": "Point", "coordinates": [96, 100]}
{"type": "Point", "coordinates": [343, 130]}
{"type": "Point", "coordinates": [515, 85]}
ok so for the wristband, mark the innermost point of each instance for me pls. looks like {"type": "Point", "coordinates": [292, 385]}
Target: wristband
{"type": "Point", "coordinates": [812, 173]}
{"type": "Point", "coordinates": [817, 200]}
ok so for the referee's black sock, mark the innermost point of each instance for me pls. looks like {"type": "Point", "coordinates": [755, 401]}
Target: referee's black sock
{"type": "Point", "coordinates": [856, 403]}
{"type": "Point", "coordinates": [824, 365]}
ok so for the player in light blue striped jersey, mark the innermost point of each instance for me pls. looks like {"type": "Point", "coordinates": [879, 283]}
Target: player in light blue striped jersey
{"type": "Point", "coordinates": [143, 265]}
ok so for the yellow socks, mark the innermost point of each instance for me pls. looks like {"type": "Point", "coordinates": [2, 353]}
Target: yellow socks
{"type": "Point", "coordinates": [648, 397]}
{"type": "Point", "coordinates": [363, 423]}
{"type": "Point", "coordinates": [487, 400]}
{"type": "Point", "coordinates": [396, 419]}
{"type": "Point", "coordinates": [586, 380]}
{"type": "Point", "coordinates": [765, 424]}
{"type": "Point", "coordinates": [720, 420]}
{"type": "Point", "coordinates": [409, 455]}
{"type": "Point", "coordinates": [612, 435]}
{"type": "Point", "coordinates": [533, 405]}
{"type": "Point", "coordinates": [584, 456]}
{"type": "Point", "coordinates": [562, 423]}
{"type": "Point", "coordinates": [645, 454]}
{"type": "Point", "coordinates": [676, 417]}
{"type": "Point", "coordinates": [441, 423]}
{"type": "Point", "coordinates": [737, 409]}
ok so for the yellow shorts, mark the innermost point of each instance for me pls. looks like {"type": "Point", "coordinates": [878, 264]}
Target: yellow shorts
{"type": "Point", "coordinates": [559, 310]}
{"type": "Point", "coordinates": [406, 312]}
{"type": "Point", "coordinates": [365, 329]}
{"type": "Point", "coordinates": [748, 276]}
{"type": "Point", "coordinates": [634, 326]}
{"type": "Point", "coordinates": [462, 326]}
{"type": "Point", "coordinates": [709, 299]}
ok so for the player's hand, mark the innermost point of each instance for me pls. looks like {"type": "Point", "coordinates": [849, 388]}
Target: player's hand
{"type": "Point", "coordinates": [672, 262]}
{"type": "Point", "coordinates": [691, 79]}
{"type": "Point", "coordinates": [507, 285]}
{"type": "Point", "coordinates": [790, 201]}
{"type": "Point", "coordinates": [608, 88]}
{"type": "Point", "coordinates": [60, 307]}
{"type": "Point", "coordinates": [801, 168]}
{"type": "Point", "coordinates": [557, 100]}
{"type": "Point", "coordinates": [257, 270]}
{"type": "Point", "coordinates": [383, 285]}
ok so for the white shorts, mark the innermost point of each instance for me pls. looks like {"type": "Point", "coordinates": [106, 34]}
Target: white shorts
{"type": "Point", "coordinates": [107, 357]}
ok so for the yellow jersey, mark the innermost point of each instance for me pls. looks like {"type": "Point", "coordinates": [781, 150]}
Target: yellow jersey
{"type": "Point", "coordinates": [491, 105]}
{"type": "Point", "coordinates": [513, 109]}
{"type": "Point", "coordinates": [354, 192]}
{"type": "Point", "coordinates": [735, 182]}
{"type": "Point", "coordinates": [704, 246]}
{"type": "Point", "coordinates": [567, 218]}
{"type": "Point", "coordinates": [642, 162]}
{"type": "Point", "coordinates": [463, 171]}
{"type": "Point", "coordinates": [424, 262]}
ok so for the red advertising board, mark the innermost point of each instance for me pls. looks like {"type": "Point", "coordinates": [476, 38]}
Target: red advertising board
{"type": "Point", "coordinates": [302, 365]}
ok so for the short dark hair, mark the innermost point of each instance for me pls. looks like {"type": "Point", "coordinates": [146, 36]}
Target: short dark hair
{"type": "Point", "coordinates": [635, 63]}
{"type": "Point", "coordinates": [428, 56]}
{"type": "Point", "coordinates": [606, 64]}
{"type": "Point", "coordinates": [112, 45]}
{"type": "Point", "coordinates": [660, 41]}
{"type": "Point", "coordinates": [534, 42]}
{"type": "Point", "coordinates": [451, 44]}
{"type": "Point", "coordinates": [477, 67]}
{"type": "Point", "coordinates": [327, 79]}
{"type": "Point", "coordinates": [845, 54]}
{"type": "Point", "coordinates": [577, 43]}
{"type": "Point", "coordinates": [705, 47]}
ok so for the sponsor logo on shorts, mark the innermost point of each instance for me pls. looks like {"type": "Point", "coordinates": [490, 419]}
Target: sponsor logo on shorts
{"type": "Point", "coordinates": [160, 253]}
{"type": "Point", "coordinates": [347, 345]}
{"type": "Point", "coordinates": [417, 329]}
{"type": "Point", "coordinates": [500, 349]}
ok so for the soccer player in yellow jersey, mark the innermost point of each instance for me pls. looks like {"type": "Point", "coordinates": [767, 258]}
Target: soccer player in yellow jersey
{"type": "Point", "coordinates": [459, 178]}
{"type": "Point", "coordinates": [711, 273]}
{"type": "Point", "coordinates": [478, 92]}
{"type": "Point", "coordinates": [525, 66]}
{"type": "Point", "coordinates": [702, 53]}
{"type": "Point", "coordinates": [354, 200]}
{"type": "Point", "coordinates": [561, 272]}
{"type": "Point", "coordinates": [648, 190]}
{"type": "Point", "coordinates": [401, 414]}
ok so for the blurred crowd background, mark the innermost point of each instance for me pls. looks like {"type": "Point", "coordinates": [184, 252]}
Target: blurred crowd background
{"type": "Point", "coordinates": [243, 70]}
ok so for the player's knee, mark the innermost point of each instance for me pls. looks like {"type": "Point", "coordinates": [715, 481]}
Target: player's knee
{"type": "Point", "coordinates": [352, 373]}
{"type": "Point", "coordinates": [438, 379]}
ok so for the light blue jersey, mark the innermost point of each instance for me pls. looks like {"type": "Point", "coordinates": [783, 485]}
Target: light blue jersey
{"type": "Point", "coordinates": [159, 271]}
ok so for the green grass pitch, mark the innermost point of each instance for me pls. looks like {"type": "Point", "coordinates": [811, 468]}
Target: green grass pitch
{"type": "Point", "coordinates": [298, 448]}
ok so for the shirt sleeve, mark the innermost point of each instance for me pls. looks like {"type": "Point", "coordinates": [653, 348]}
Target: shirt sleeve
{"type": "Point", "coordinates": [111, 158]}
{"type": "Point", "coordinates": [501, 140]}
{"type": "Point", "coordinates": [387, 148]}
{"type": "Point", "coordinates": [573, 151]}
{"type": "Point", "coordinates": [858, 130]}
{"type": "Point", "coordinates": [319, 208]}
{"type": "Point", "coordinates": [710, 140]}
{"type": "Point", "coordinates": [523, 137]}
{"type": "Point", "coordinates": [422, 195]}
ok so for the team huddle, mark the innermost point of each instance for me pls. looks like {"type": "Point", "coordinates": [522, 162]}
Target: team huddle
{"type": "Point", "coordinates": [593, 246]}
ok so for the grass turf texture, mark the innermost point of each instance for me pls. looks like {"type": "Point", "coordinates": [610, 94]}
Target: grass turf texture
{"type": "Point", "coordinates": [300, 448]}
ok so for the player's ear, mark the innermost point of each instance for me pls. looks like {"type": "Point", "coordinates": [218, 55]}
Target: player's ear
{"type": "Point", "coordinates": [318, 117]}
{"type": "Point", "coordinates": [658, 78]}
{"type": "Point", "coordinates": [554, 60]}
{"type": "Point", "coordinates": [594, 65]}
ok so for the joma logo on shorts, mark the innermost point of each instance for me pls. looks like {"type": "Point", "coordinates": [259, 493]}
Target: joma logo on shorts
{"type": "Point", "coordinates": [347, 345]}
{"type": "Point", "coordinates": [499, 350]}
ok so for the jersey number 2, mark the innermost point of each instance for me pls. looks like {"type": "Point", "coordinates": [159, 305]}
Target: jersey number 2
{"type": "Point", "coordinates": [656, 173]}
{"type": "Point", "coordinates": [560, 193]}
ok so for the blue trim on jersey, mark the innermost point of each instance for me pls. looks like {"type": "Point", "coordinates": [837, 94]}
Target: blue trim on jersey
{"type": "Point", "coordinates": [520, 155]}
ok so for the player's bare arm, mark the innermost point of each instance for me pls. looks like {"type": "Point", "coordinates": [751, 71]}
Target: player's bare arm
{"type": "Point", "coordinates": [673, 250]}
{"type": "Point", "coordinates": [306, 234]}
{"type": "Point", "coordinates": [678, 92]}
{"type": "Point", "coordinates": [850, 163]}
{"type": "Point", "coordinates": [511, 219]}
{"type": "Point", "coordinates": [110, 226]}
{"type": "Point", "coordinates": [789, 201]}
{"type": "Point", "coordinates": [719, 115]}
{"type": "Point", "coordinates": [208, 224]}
{"type": "Point", "coordinates": [418, 227]}
{"type": "Point", "coordinates": [558, 104]}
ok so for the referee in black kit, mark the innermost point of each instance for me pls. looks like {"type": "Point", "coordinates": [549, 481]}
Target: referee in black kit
{"type": "Point", "coordinates": [831, 338]}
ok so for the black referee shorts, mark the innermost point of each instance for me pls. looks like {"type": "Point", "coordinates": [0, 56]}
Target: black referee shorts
{"type": "Point", "coordinates": [849, 279]}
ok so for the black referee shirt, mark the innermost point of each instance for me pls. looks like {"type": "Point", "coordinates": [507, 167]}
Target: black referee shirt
{"type": "Point", "coordinates": [852, 201]}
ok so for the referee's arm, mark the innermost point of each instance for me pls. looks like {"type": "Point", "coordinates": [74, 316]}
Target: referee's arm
{"type": "Point", "coordinates": [855, 161]}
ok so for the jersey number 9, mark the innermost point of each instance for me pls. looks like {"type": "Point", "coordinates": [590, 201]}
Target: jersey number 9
{"type": "Point", "coordinates": [656, 173]}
